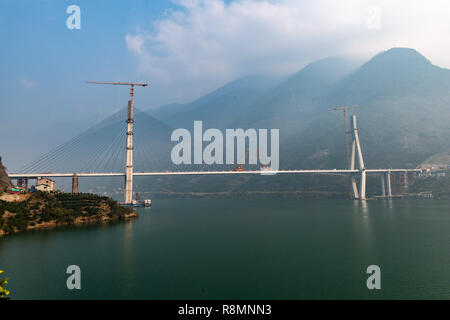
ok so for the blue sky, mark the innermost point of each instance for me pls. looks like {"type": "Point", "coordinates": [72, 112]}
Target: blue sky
{"type": "Point", "coordinates": [41, 58]}
{"type": "Point", "coordinates": [44, 66]}
{"type": "Point", "coordinates": [182, 48]}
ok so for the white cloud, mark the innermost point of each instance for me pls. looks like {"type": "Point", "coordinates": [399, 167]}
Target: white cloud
{"type": "Point", "coordinates": [206, 43]}
{"type": "Point", "coordinates": [135, 44]}
{"type": "Point", "coordinates": [27, 83]}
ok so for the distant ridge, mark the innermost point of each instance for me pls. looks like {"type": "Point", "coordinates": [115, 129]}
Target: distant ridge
{"type": "Point", "coordinates": [406, 121]}
{"type": "Point", "coordinates": [219, 107]}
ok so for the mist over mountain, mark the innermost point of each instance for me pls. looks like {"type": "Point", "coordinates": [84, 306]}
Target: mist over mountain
{"type": "Point", "coordinates": [259, 101]}
{"type": "Point", "coordinates": [299, 99]}
{"type": "Point", "coordinates": [407, 114]}
{"type": "Point", "coordinates": [405, 120]}
{"type": "Point", "coordinates": [219, 108]}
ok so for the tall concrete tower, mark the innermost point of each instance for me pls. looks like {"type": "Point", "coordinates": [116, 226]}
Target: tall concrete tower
{"type": "Point", "coordinates": [129, 150]}
{"type": "Point", "coordinates": [356, 149]}
{"type": "Point", "coordinates": [129, 155]}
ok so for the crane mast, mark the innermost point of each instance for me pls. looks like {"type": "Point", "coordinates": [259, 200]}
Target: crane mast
{"type": "Point", "coordinates": [129, 150]}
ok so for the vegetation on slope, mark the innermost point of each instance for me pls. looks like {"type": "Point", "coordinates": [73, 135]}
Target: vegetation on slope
{"type": "Point", "coordinates": [440, 186]}
{"type": "Point", "coordinates": [41, 210]}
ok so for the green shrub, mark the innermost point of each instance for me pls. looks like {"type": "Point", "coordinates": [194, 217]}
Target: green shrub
{"type": "Point", "coordinates": [4, 293]}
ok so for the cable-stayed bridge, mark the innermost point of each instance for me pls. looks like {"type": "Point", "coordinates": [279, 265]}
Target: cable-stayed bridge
{"type": "Point", "coordinates": [120, 154]}
{"type": "Point", "coordinates": [112, 156]}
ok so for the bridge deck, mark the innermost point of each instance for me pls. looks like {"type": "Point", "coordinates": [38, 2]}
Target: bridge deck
{"type": "Point", "coordinates": [175, 173]}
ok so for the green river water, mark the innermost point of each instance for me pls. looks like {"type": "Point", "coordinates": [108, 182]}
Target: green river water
{"type": "Point", "coordinates": [242, 249]}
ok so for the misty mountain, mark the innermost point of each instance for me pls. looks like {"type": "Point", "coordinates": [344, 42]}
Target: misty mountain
{"type": "Point", "coordinates": [299, 99]}
{"type": "Point", "coordinates": [406, 120]}
{"type": "Point", "coordinates": [219, 108]}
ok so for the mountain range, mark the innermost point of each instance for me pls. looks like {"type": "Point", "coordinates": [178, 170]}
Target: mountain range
{"type": "Point", "coordinates": [403, 120]}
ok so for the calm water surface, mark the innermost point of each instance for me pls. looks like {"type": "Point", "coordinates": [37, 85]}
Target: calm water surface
{"type": "Point", "coordinates": [242, 249]}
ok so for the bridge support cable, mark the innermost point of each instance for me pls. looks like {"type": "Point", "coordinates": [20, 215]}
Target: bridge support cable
{"type": "Point", "coordinates": [107, 153]}
{"type": "Point", "coordinates": [98, 147]}
{"type": "Point", "coordinates": [98, 152]}
{"type": "Point", "coordinates": [30, 167]}
{"type": "Point", "coordinates": [117, 164]}
{"type": "Point", "coordinates": [65, 159]}
{"type": "Point", "coordinates": [143, 158]}
{"type": "Point", "coordinates": [54, 154]}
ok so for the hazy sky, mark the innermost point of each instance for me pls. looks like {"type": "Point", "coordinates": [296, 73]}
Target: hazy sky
{"type": "Point", "coordinates": [202, 44]}
{"type": "Point", "coordinates": [183, 48]}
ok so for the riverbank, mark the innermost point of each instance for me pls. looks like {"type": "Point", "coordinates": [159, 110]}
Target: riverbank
{"type": "Point", "coordinates": [40, 210]}
{"type": "Point", "coordinates": [439, 185]}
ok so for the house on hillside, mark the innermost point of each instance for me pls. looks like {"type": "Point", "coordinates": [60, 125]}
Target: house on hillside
{"type": "Point", "coordinates": [44, 184]}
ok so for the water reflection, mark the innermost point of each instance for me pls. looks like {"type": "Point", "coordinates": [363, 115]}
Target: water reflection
{"type": "Point", "coordinates": [128, 259]}
{"type": "Point", "coordinates": [365, 208]}
{"type": "Point", "coordinates": [362, 222]}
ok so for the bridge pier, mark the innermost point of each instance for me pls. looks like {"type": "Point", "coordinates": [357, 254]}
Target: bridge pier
{"type": "Point", "coordinates": [75, 183]}
{"type": "Point", "coordinates": [405, 181]}
{"type": "Point", "coordinates": [388, 184]}
{"type": "Point", "coordinates": [383, 186]}
{"type": "Point", "coordinates": [22, 182]}
{"type": "Point", "coordinates": [362, 190]}
{"type": "Point", "coordinates": [354, 188]}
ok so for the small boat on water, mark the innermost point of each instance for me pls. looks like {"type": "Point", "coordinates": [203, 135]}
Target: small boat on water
{"type": "Point", "coordinates": [137, 203]}
{"type": "Point", "coordinates": [147, 203]}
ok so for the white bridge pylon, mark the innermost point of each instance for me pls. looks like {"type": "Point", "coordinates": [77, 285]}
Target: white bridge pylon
{"type": "Point", "coordinates": [386, 190]}
{"type": "Point", "coordinates": [356, 149]}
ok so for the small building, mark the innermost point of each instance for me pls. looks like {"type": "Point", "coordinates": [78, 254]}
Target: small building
{"type": "Point", "coordinates": [45, 184]}
{"type": "Point", "coordinates": [426, 194]}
